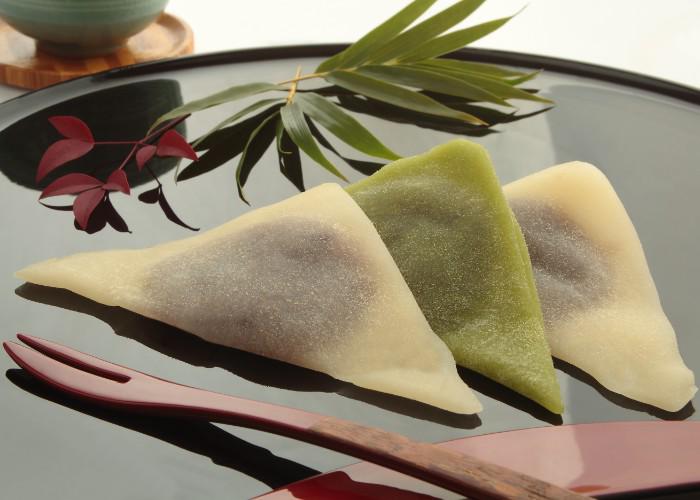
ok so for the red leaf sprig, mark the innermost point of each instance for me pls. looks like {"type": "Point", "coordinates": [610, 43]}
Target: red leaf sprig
{"type": "Point", "coordinates": [92, 207]}
{"type": "Point", "coordinates": [78, 142]}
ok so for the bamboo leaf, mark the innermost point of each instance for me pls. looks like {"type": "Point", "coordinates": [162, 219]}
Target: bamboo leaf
{"type": "Point", "coordinates": [209, 161]}
{"type": "Point", "coordinates": [298, 130]}
{"type": "Point", "coordinates": [473, 67]}
{"type": "Point", "coordinates": [237, 116]}
{"type": "Point", "coordinates": [493, 116]}
{"type": "Point", "coordinates": [515, 79]}
{"type": "Point", "coordinates": [256, 145]}
{"type": "Point", "coordinates": [396, 95]}
{"type": "Point", "coordinates": [329, 90]}
{"type": "Point", "coordinates": [279, 130]}
{"type": "Point", "coordinates": [418, 77]}
{"type": "Point", "coordinates": [343, 126]}
{"type": "Point", "coordinates": [426, 30]}
{"type": "Point", "coordinates": [489, 114]}
{"type": "Point", "coordinates": [224, 145]}
{"type": "Point", "coordinates": [452, 41]}
{"type": "Point", "coordinates": [522, 79]}
{"type": "Point", "coordinates": [289, 158]}
{"type": "Point", "coordinates": [400, 115]}
{"type": "Point", "coordinates": [359, 51]}
{"type": "Point", "coordinates": [232, 133]}
{"type": "Point", "coordinates": [230, 94]}
{"type": "Point", "coordinates": [501, 90]}
{"type": "Point", "coordinates": [362, 166]}
{"type": "Point", "coordinates": [397, 114]}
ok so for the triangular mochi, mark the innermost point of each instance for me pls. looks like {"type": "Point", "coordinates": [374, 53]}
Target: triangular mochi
{"type": "Point", "coordinates": [307, 281]}
{"type": "Point", "coordinates": [445, 221]}
{"type": "Point", "coordinates": [601, 308]}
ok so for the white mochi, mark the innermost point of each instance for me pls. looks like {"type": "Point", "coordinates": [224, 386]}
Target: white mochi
{"type": "Point", "coordinates": [601, 308]}
{"type": "Point", "coordinates": [307, 281]}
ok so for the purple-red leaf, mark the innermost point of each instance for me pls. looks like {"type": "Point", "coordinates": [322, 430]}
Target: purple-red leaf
{"type": "Point", "coordinates": [60, 153]}
{"type": "Point", "coordinates": [151, 196]}
{"type": "Point", "coordinates": [117, 181]}
{"type": "Point", "coordinates": [170, 214]}
{"type": "Point", "coordinates": [144, 155]}
{"type": "Point", "coordinates": [70, 184]}
{"type": "Point", "coordinates": [72, 128]}
{"type": "Point", "coordinates": [173, 144]}
{"type": "Point", "coordinates": [85, 203]}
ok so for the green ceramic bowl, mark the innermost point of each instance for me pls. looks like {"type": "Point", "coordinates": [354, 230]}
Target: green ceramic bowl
{"type": "Point", "coordinates": [80, 28]}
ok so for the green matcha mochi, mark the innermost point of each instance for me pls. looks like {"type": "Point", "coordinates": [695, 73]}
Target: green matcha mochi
{"type": "Point", "coordinates": [446, 222]}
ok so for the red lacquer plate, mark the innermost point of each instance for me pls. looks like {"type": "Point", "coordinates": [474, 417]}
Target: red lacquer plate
{"type": "Point", "coordinates": [601, 460]}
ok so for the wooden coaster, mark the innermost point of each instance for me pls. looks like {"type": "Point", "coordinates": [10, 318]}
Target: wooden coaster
{"type": "Point", "coordinates": [22, 65]}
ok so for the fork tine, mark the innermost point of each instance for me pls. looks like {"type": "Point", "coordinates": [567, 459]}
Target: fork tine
{"type": "Point", "coordinates": [77, 359]}
{"type": "Point", "coordinates": [60, 375]}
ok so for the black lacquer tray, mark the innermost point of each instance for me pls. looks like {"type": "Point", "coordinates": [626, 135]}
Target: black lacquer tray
{"type": "Point", "coordinates": [642, 132]}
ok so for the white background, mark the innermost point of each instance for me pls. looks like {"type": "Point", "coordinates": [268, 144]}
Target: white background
{"type": "Point", "coordinates": [652, 37]}
{"type": "Point", "coordinates": [658, 38]}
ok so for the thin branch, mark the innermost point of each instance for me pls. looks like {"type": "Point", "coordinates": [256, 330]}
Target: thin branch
{"type": "Point", "coordinates": [169, 125]}
{"type": "Point", "coordinates": [293, 88]}
{"type": "Point", "coordinates": [299, 78]}
{"type": "Point", "coordinates": [155, 177]}
{"type": "Point", "coordinates": [101, 143]}
{"type": "Point", "coordinates": [128, 157]}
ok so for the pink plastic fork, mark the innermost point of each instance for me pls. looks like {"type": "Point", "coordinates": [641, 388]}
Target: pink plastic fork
{"type": "Point", "coordinates": [91, 378]}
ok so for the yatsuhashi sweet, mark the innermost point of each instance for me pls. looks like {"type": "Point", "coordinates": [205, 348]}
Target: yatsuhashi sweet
{"type": "Point", "coordinates": [307, 281]}
{"type": "Point", "coordinates": [446, 222]}
{"type": "Point", "coordinates": [601, 308]}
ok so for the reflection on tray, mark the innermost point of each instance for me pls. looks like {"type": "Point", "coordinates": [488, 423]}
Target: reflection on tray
{"type": "Point", "coordinates": [339, 484]}
{"type": "Point", "coordinates": [260, 370]}
{"type": "Point", "coordinates": [621, 400]}
{"type": "Point", "coordinates": [185, 347]}
{"type": "Point", "coordinates": [121, 112]}
{"type": "Point", "coordinates": [223, 448]}
{"type": "Point", "coordinates": [494, 390]}
{"type": "Point", "coordinates": [202, 438]}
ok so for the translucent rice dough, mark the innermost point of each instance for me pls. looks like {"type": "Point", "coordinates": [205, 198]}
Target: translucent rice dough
{"type": "Point", "coordinates": [601, 309]}
{"type": "Point", "coordinates": [307, 281]}
{"type": "Point", "coordinates": [446, 222]}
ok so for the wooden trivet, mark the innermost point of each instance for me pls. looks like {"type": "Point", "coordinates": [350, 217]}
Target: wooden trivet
{"type": "Point", "coordinates": [22, 65]}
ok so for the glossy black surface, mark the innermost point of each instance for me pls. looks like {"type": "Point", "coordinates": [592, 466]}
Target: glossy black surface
{"type": "Point", "coordinates": [646, 142]}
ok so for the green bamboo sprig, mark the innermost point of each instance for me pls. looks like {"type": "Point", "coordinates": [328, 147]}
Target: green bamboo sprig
{"type": "Point", "coordinates": [395, 71]}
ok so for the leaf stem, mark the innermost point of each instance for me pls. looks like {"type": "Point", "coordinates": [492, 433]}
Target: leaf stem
{"type": "Point", "coordinates": [299, 77]}
{"type": "Point", "coordinates": [168, 125]}
{"type": "Point", "coordinates": [128, 157]}
{"type": "Point", "coordinates": [293, 88]}
{"type": "Point", "coordinates": [155, 177]}
{"type": "Point", "coordinates": [99, 143]}
{"type": "Point", "coordinates": [171, 124]}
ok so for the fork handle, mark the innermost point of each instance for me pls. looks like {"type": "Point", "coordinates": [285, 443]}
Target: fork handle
{"type": "Point", "coordinates": [100, 381]}
{"type": "Point", "coordinates": [451, 470]}
{"type": "Point", "coordinates": [454, 471]}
